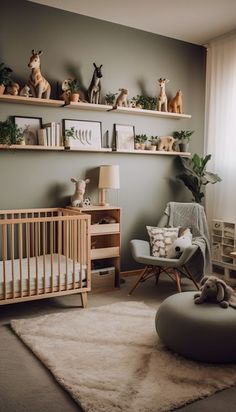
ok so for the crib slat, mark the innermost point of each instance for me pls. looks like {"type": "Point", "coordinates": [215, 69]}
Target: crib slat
{"type": "Point", "coordinates": [12, 259]}
{"type": "Point", "coordinates": [59, 253]}
{"type": "Point", "coordinates": [4, 233]}
{"type": "Point", "coordinates": [27, 240]}
{"type": "Point", "coordinates": [66, 252]}
{"type": "Point", "coordinates": [20, 257]}
{"type": "Point", "coordinates": [36, 257]}
{"type": "Point", "coordinates": [44, 257]}
{"type": "Point", "coordinates": [74, 250]}
{"type": "Point", "coordinates": [51, 253]}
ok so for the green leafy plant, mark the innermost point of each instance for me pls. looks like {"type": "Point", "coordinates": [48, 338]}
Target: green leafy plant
{"type": "Point", "coordinates": [195, 176]}
{"type": "Point", "coordinates": [145, 102]}
{"type": "Point", "coordinates": [153, 140]}
{"type": "Point", "coordinates": [110, 97]}
{"type": "Point", "coordinates": [74, 86]}
{"type": "Point", "coordinates": [140, 138]}
{"type": "Point", "coordinates": [10, 133]}
{"type": "Point", "coordinates": [183, 136]}
{"type": "Point", "coordinates": [5, 74]}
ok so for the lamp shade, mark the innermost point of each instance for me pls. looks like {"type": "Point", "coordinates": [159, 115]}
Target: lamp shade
{"type": "Point", "coordinates": [109, 177]}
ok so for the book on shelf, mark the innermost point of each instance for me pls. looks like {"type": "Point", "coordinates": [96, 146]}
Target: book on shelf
{"type": "Point", "coordinates": [50, 135]}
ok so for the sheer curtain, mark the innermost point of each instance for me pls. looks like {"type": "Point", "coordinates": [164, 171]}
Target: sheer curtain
{"type": "Point", "coordinates": [220, 126]}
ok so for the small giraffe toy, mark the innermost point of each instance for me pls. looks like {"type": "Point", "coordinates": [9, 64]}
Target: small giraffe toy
{"type": "Point", "coordinates": [39, 86]}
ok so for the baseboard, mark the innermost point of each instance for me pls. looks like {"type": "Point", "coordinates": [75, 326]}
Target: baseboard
{"type": "Point", "coordinates": [134, 272]}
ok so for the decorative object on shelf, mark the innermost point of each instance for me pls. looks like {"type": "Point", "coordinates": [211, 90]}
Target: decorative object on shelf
{"type": "Point", "coordinates": [124, 135]}
{"type": "Point", "coordinates": [73, 91]}
{"type": "Point", "coordinates": [87, 201]}
{"type": "Point", "coordinates": [122, 98]}
{"type": "Point", "coordinates": [65, 91]}
{"type": "Point", "coordinates": [30, 126]}
{"type": "Point", "coordinates": [10, 133]}
{"type": "Point", "coordinates": [110, 98]}
{"type": "Point", "coordinates": [166, 143]}
{"type": "Point", "coordinates": [140, 141]}
{"type": "Point", "coordinates": [154, 142]}
{"type": "Point", "coordinates": [145, 102]}
{"type": "Point", "coordinates": [215, 290]}
{"type": "Point", "coordinates": [39, 86]}
{"type": "Point", "coordinates": [5, 77]}
{"type": "Point", "coordinates": [68, 133]}
{"type": "Point", "coordinates": [25, 91]}
{"type": "Point", "coordinates": [195, 175]}
{"type": "Point", "coordinates": [183, 138]}
{"type": "Point", "coordinates": [13, 89]}
{"type": "Point", "coordinates": [94, 90]}
{"type": "Point", "coordinates": [175, 105]}
{"type": "Point", "coordinates": [77, 199]}
{"type": "Point", "coordinates": [109, 178]}
{"type": "Point", "coordinates": [86, 134]}
{"type": "Point", "coordinates": [162, 98]}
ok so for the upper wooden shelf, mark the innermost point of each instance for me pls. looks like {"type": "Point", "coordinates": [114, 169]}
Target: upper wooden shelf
{"type": "Point", "coordinates": [88, 106]}
{"type": "Point", "coordinates": [7, 98]}
{"type": "Point", "coordinates": [154, 152]}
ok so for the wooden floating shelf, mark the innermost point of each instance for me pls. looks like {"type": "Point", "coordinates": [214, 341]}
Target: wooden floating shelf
{"type": "Point", "coordinates": [30, 147]}
{"type": "Point", "coordinates": [129, 110]}
{"type": "Point", "coordinates": [75, 149]}
{"type": "Point", "coordinates": [154, 152]}
{"type": "Point", "coordinates": [88, 106]}
{"type": "Point", "coordinates": [7, 98]}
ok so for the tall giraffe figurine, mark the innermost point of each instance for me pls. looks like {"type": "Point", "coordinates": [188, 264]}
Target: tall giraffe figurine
{"type": "Point", "coordinates": [39, 86]}
{"type": "Point", "coordinates": [162, 98]}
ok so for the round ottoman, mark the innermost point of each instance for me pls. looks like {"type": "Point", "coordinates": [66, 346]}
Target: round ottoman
{"type": "Point", "coordinates": [203, 332]}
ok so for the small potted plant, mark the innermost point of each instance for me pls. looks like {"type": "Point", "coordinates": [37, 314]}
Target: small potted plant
{"type": "Point", "coordinates": [110, 98]}
{"type": "Point", "coordinates": [74, 87]}
{"type": "Point", "coordinates": [5, 77]}
{"type": "Point", "coordinates": [140, 140]}
{"type": "Point", "coordinates": [183, 138]}
{"type": "Point", "coordinates": [10, 133]}
{"type": "Point", "coordinates": [154, 141]}
{"type": "Point", "coordinates": [69, 133]}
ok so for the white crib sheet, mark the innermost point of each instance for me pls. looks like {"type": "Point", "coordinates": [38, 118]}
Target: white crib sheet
{"type": "Point", "coordinates": [32, 264]}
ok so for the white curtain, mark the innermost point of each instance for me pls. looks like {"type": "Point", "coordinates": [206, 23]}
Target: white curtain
{"type": "Point", "coordinates": [220, 129]}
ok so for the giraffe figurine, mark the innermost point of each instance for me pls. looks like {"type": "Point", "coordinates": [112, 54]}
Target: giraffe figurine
{"type": "Point", "coordinates": [39, 86]}
{"type": "Point", "coordinates": [162, 98]}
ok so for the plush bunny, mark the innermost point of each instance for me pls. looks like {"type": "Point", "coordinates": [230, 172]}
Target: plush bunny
{"type": "Point", "coordinates": [214, 289]}
{"type": "Point", "coordinates": [181, 243]}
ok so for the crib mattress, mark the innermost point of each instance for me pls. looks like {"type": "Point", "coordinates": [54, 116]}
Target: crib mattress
{"type": "Point", "coordinates": [48, 275]}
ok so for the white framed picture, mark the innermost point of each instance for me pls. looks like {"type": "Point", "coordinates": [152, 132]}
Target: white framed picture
{"type": "Point", "coordinates": [83, 134]}
{"type": "Point", "coordinates": [124, 135]}
{"type": "Point", "coordinates": [30, 127]}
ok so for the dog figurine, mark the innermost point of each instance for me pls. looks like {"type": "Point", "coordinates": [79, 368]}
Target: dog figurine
{"type": "Point", "coordinates": [216, 290]}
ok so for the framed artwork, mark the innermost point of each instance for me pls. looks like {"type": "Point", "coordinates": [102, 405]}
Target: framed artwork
{"type": "Point", "coordinates": [124, 135]}
{"type": "Point", "coordinates": [30, 126]}
{"type": "Point", "coordinates": [83, 134]}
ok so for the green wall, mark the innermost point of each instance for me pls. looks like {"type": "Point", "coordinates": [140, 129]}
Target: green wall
{"type": "Point", "coordinates": [131, 58]}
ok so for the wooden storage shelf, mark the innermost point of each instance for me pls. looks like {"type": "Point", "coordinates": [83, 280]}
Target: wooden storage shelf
{"type": "Point", "coordinates": [106, 229]}
{"type": "Point", "coordinates": [7, 98]}
{"type": "Point", "coordinates": [30, 147]}
{"type": "Point", "coordinates": [104, 253]}
{"type": "Point", "coordinates": [155, 113]}
{"type": "Point", "coordinates": [88, 106]}
{"type": "Point", "coordinates": [102, 150]}
{"type": "Point", "coordinates": [152, 152]}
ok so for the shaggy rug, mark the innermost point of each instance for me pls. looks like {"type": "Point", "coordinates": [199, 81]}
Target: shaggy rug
{"type": "Point", "coordinates": [110, 360]}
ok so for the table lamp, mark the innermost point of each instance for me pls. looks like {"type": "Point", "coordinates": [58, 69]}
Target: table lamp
{"type": "Point", "coordinates": [108, 179]}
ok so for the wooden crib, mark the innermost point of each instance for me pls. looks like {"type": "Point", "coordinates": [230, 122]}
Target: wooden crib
{"type": "Point", "coordinates": [44, 253]}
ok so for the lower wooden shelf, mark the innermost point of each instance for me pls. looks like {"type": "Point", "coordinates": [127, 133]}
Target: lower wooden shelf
{"type": "Point", "coordinates": [105, 253]}
{"type": "Point", "coordinates": [29, 147]}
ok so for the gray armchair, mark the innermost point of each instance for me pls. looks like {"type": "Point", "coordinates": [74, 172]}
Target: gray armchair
{"type": "Point", "coordinates": [190, 215]}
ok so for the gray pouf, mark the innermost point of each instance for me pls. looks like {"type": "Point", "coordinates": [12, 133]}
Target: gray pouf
{"type": "Point", "coordinates": [203, 332]}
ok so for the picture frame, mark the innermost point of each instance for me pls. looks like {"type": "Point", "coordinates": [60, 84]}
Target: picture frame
{"type": "Point", "coordinates": [124, 135]}
{"type": "Point", "coordinates": [30, 126]}
{"type": "Point", "coordinates": [87, 134]}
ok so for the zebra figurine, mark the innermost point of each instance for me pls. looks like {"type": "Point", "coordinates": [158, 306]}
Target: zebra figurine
{"type": "Point", "coordinates": [94, 90]}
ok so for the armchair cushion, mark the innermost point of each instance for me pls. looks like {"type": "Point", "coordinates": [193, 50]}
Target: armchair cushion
{"type": "Point", "coordinates": [161, 239]}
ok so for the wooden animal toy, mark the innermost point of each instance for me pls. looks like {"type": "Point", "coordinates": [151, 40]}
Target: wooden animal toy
{"type": "Point", "coordinates": [162, 98]}
{"type": "Point", "coordinates": [25, 91]}
{"type": "Point", "coordinates": [166, 143]}
{"type": "Point", "coordinates": [77, 199]}
{"type": "Point", "coordinates": [122, 98]}
{"type": "Point", "coordinates": [175, 104]}
{"type": "Point", "coordinates": [13, 89]}
{"type": "Point", "coordinates": [66, 92]}
{"type": "Point", "coordinates": [39, 86]}
{"type": "Point", "coordinates": [94, 90]}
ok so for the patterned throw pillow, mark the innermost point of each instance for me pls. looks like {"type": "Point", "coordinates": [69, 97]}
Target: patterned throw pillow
{"type": "Point", "coordinates": [161, 239]}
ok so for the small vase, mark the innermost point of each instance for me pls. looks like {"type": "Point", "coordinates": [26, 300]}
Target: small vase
{"type": "Point", "coordinates": [153, 148]}
{"type": "Point", "coordinates": [142, 146]}
{"type": "Point", "coordinates": [183, 147]}
{"type": "Point", "coordinates": [74, 97]}
{"type": "Point", "coordinates": [137, 146]}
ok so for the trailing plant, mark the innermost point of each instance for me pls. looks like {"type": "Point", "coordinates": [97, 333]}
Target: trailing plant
{"type": "Point", "coordinates": [74, 86]}
{"type": "Point", "coordinates": [5, 74]}
{"type": "Point", "coordinates": [10, 133]}
{"type": "Point", "coordinates": [183, 136]}
{"type": "Point", "coordinates": [195, 176]}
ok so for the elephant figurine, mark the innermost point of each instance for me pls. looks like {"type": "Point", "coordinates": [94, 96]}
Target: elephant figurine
{"type": "Point", "coordinates": [213, 289]}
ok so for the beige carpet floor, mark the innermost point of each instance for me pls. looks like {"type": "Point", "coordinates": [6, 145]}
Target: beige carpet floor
{"type": "Point", "coordinates": [110, 359]}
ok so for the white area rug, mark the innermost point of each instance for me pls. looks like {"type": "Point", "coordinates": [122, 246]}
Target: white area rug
{"type": "Point", "coordinates": [110, 360]}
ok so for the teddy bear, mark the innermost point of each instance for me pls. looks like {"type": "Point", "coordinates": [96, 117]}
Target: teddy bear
{"type": "Point", "coordinates": [213, 289]}
{"type": "Point", "coordinates": [180, 244]}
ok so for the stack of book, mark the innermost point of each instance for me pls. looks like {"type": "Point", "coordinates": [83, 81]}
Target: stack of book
{"type": "Point", "coordinates": [50, 135]}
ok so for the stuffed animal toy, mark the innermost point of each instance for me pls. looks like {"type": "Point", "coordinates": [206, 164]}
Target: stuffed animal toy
{"type": "Point", "coordinates": [180, 244]}
{"type": "Point", "coordinates": [213, 289]}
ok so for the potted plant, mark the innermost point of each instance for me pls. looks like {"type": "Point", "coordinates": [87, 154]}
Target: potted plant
{"type": "Point", "coordinates": [10, 133]}
{"type": "Point", "coordinates": [110, 98]}
{"type": "Point", "coordinates": [140, 140]}
{"type": "Point", "coordinates": [183, 138]}
{"type": "Point", "coordinates": [145, 102]}
{"type": "Point", "coordinates": [154, 141]}
{"type": "Point", "coordinates": [195, 176]}
{"type": "Point", "coordinates": [68, 134]}
{"type": "Point", "coordinates": [74, 87]}
{"type": "Point", "coordinates": [5, 77]}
